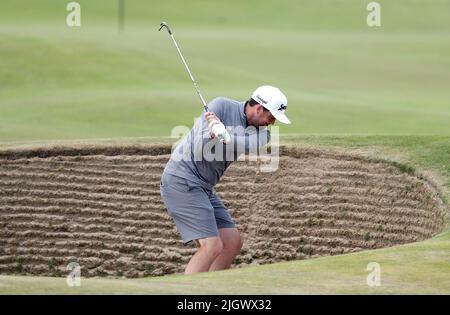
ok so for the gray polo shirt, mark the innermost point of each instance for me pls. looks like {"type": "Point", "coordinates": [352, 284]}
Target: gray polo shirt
{"type": "Point", "coordinates": [203, 160]}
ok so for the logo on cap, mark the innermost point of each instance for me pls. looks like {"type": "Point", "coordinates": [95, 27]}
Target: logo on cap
{"type": "Point", "coordinates": [260, 99]}
{"type": "Point", "coordinates": [282, 107]}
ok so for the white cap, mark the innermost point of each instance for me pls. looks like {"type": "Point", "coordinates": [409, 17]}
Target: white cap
{"type": "Point", "coordinates": [274, 100]}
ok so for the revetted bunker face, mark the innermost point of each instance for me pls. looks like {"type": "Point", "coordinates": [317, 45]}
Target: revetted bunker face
{"type": "Point", "coordinates": [100, 207]}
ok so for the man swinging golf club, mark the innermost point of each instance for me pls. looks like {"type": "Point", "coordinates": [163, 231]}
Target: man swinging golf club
{"type": "Point", "coordinates": [188, 180]}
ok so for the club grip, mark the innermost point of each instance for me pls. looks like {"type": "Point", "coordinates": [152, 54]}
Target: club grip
{"type": "Point", "coordinates": [224, 137]}
{"type": "Point", "coordinates": [221, 133]}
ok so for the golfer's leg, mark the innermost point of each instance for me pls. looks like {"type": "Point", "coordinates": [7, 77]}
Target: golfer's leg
{"type": "Point", "coordinates": [208, 250]}
{"type": "Point", "coordinates": [193, 214]}
{"type": "Point", "coordinates": [232, 244]}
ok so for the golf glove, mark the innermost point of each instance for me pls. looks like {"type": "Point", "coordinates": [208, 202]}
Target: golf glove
{"type": "Point", "coordinates": [217, 129]}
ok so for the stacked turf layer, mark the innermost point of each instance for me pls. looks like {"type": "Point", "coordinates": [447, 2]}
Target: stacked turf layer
{"type": "Point", "coordinates": [100, 207]}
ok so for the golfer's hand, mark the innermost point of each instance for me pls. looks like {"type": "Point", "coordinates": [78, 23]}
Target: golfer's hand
{"type": "Point", "coordinates": [211, 120]}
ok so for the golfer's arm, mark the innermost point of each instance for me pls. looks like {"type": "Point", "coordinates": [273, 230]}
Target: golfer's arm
{"type": "Point", "coordinates": [216, 107]}
{"type": "Point", "coordinates": [249, 144]}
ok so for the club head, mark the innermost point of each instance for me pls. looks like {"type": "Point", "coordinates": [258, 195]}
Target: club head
{"type": "Point", "coordinates": [164, 24]}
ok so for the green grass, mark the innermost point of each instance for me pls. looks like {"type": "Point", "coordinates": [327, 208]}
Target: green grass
{"type": "Point", "coordinates": [340, 76]}
{"type": "Point", "coordinates": [382, 92]}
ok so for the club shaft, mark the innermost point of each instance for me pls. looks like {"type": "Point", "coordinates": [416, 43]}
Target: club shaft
{"type": "Point", "coordinates": [189, 72]}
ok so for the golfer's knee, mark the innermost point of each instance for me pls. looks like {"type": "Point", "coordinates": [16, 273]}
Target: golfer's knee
{"type": "Point", "coordinates": [235, 244]}
{"type": "Point", "coordinates": [213, 247]}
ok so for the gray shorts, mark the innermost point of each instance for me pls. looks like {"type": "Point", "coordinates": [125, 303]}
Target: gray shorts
{"type": "Point", "coordinates": [198, 212]}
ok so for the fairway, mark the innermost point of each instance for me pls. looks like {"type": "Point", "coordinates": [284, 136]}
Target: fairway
{"type": "Point", "coordinates": [370, 112]}
{"type": "Point", "coordinates": [340, 76]}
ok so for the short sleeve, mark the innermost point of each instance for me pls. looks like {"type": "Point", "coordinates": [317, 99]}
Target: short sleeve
{"type": "Point", "coordinates": [217, 107]}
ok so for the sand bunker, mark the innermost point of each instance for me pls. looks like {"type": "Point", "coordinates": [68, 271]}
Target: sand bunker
{"type": "Point", "coordinates": [100, 207]}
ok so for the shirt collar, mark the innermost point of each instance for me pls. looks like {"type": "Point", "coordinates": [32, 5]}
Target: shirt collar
{"type": "Point", "coordinates": [243, 116]}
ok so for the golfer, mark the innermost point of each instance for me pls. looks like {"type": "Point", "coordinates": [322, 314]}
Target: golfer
{"type": "Point", "coordinates": [187, 183]}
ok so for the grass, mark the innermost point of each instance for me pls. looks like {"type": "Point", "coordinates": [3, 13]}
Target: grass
{"type": "Point", "coordinates": [382, 92]}
{"type": "Point", "coordinates": [340, 76]}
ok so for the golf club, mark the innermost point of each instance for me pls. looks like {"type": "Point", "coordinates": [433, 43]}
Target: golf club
{"type": "Point", "coordinates": [221, 132]}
